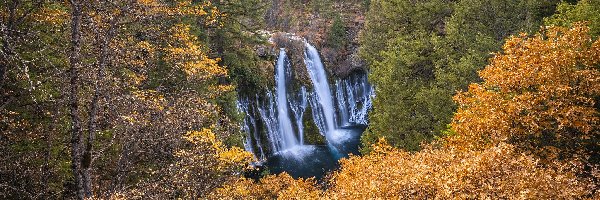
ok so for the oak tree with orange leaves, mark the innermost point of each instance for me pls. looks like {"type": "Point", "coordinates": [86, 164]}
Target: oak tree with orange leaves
{"type": "Point", "coordinates": [540, 94]}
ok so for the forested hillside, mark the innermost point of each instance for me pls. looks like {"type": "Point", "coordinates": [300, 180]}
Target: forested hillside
{"type": "Point", "coordinates": [179, 99]}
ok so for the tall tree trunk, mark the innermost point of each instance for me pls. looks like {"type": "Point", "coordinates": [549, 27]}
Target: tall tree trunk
{"type": "Point", "coordinates": [46, 171]}
{"type": "Point", "coordinates": [88, 158]}
{"type": "Point", "coordinates": [104, 41]}
{"type": "Point", "coordinates": [75, 63]}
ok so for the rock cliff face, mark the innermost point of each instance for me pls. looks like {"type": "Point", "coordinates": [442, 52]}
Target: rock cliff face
{"type": "Point", "coordinates": [331, 26]}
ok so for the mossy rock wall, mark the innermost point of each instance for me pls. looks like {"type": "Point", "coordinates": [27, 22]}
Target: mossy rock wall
{"type": "Point", "coordinates": [311, 131]}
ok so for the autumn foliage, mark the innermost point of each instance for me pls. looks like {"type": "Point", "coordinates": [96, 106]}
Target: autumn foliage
{"type": "Point", "coordinates": [207, 158]}
{"type": "Point", "coordinates": [132, 99]}
{"type": "Point", "coordinates": [539, 93]}
{"type": "Point", "coordinates": [507, 140]}
{"type": "Point", "coordinates": [97, 96]}
{"type": "Point", "coordinates": [270, 187]}
{"type": "Point", "coordinates": [498, 172]}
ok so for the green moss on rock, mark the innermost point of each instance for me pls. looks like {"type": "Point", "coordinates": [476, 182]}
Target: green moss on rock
{"type": "Point", "coordinates": [311, 131]}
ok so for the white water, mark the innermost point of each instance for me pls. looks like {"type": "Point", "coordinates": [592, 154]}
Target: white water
{"type": "Point", "coordinates": [249, 127]}
{"type": "Point", "coordinates": [321, 86]}
{"type": "Point", "coordinates": [285, 124]}
{"type": "Point", "coordinates": [270, 116]}
{"type": "Point", "coordinates": [317, 113]}
{"type": "Point", "coordinates": [341, 102]}
{"type": "Point", "coordinates": [267, 115]}
{"type": "Point", "coordinates": [242, 105]}
{"type": "Point", "coordinates": [298, 110]}
{"type": "Point", "coordinates": [354, 100]}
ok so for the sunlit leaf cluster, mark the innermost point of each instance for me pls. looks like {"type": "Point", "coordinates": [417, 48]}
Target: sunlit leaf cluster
{"type": "Point", "coordinates": [184, 52]}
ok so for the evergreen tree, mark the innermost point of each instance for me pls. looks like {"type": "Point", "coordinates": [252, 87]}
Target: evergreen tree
{"type": "Point", "coordinates": [397, 43]}
{"type": "Point", "coordinates": [585, 10]}
{"type": "Point", "coordinates": [337, 37]}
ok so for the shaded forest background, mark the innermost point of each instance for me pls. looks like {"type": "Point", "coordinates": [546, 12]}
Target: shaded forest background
{"type": "Point", "coordinates": [134, 99]}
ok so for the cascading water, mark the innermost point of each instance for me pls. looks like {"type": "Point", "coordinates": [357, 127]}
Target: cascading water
{"type": "Point", "coordinates": [340, 115]}
{"type": "Point", "coordinates": [298, 109]}
{"type": "Point", "coordinates": [323, 93]}
{"type": "Point", "coordinates": [354, 100]}
{"type": "Point", "coordinates": [285, 124]}
{"type": "Point", "coordinates": [249, 126]}
{"type": "Point", "coordinates": [243, 106]}
{"type": "Point", "coordinates": [317, 113]}
{"type": "Point", "coordinates": [267, 115]}
{"type": "Point", "coordinates": [341, 102]}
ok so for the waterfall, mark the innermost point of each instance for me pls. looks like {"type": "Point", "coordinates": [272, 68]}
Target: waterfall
{"type": "Point", "coordinates": [267, 114]}
{"type": "Point", "coordinates": [355, 96]}
{"type": "Point", "coordinates": [332, 111]}
{"type": "Point", "coordinates": [323, 95]}
{"type": "Point", "coordinates": [321, 86]}
{"type": "Point", "coordinates": [298, 110]}
{"type": "Point", "coordinates": [242, 106]}
{"type": "Point", "coordinates": [285, 124]}
{"type": "Point", "coordinates": [249, 127]}
{"type": "Point", "coordinates": [341, 102]}
{"type": "Point", "coordinates": [359, 95]}
{"type": "Point", "coordinates": [351, 101]}
{"type": "Point", "coordinates": [366, 95]}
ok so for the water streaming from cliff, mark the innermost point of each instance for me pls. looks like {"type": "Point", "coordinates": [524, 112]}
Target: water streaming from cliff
{"type": "Point", "coordinates": [276, 136]}
{"type": "Point", "coordinates": [298, 109]}
{"type": "Point", "coordinates": [321, 87]}
{"type": "Point", "coordinates": [354, 100]}
{"type": "Point", "coordinates": [286, 133]}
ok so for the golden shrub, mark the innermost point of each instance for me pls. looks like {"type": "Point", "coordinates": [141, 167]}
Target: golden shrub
{"type": "Point", "coordinates": [281, 186]}
{"type": "Point", "coordinates": [497, 172]}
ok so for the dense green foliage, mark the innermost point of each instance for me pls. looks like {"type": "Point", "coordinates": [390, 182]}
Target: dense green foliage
{"type": "Point", "coordinates": [235, 41]}
{"type": "Point", "coordinates": [585, 10]}
{"type": "Point", "coordinates": [397, 43]}
{"type": "Point", "coordinates": [421, 53]}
